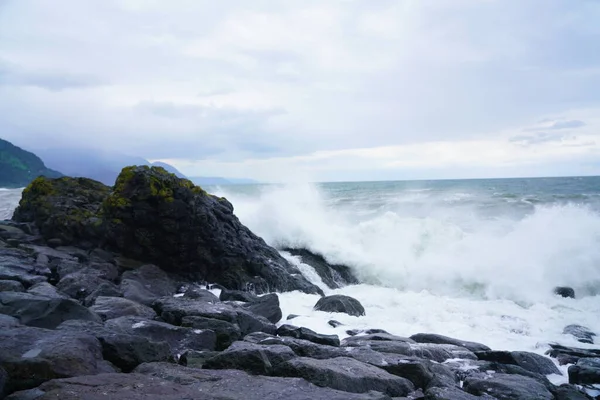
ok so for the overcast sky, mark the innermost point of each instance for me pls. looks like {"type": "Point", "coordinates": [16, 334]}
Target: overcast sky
{"type": "Point", "coordinates": [318, 90]}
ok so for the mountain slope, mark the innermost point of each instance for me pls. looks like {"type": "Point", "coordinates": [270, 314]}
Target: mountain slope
{"type": "Point", "coordinates": [19, 167]}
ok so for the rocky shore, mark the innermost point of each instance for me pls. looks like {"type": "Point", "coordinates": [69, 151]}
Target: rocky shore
{"type": "Point", "coordinates": [154, 289]}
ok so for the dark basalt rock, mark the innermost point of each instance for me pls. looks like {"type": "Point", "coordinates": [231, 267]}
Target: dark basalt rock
{"type": "Point", "coordinates": [79, 285]}
{"type": "Point", "coordinates": [570, 355]}
{"type": "Point", "coordinates": [123, 350]}
{"type": "Point", "coordinates": [346, 374]}
{"type": "Point", "coordinates": [105, 289]}
{"type": "Point", "coordinates": [384, 337]}
{"type": "Point", "coordinates": [340, 303]}
{"type": "Point", "coordinates": [452, 393]}
{"type": "Point", "coordinates": [201, 294]}
{"type": "Point", "coordinates": [153, 216]}
{"type": "Point", "coordinates": [570, 392]}
{"type": "Point", "coordinates": [43, 312]}
{"type": "Point", "coordinates": [529, 361]}
{"type": "Point", "coordinates": [564, 291]}
{"type": "Point", "coordinates": [502, 386]}
{"type": "Point", "coordinates": [333, 323]}
{"type": "Point", "coordinates": [11, 286]}
{"type": "Point", "coordinates": [585, 372]}
{"type": "Point", "coordinates": [146, 284]}
{"type": "Point", "coordinates": [581, 333]}
{"type": "Point", "coordinates": [179, 338]}
{"type": "Point", "coordinates": [439, 339]}
{"type": "Point", "coordinates": [237, 295]}
{"type": "Point", "coordinates": [302, 348]}
{"type": "Point", "coordinates": [195, 358]}
{"type": "Point", "coordinates": [235, 384]}
{"type": "Point", "coordinates": [266, 306]}
{"type": "Point", "coordinates": [47, 290]}
{"type": "Point", "coordinates": [115, 307]}
{"type": "Point", "coordinates": [250, 357]}
{"type": "Point", "coordinates": [31, 356]}
{"type": "Point", "coordinates": [6, 321]}
{"type": "Point", "coordinates": [333, 275]}
{"type": "Point", "coordinates": [226, 332]}
{"type": "Point", "coordinates": [307, 334]}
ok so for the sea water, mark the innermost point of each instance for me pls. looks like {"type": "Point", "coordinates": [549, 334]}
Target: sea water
{"type": "Point", "coordinates": [472, 259]}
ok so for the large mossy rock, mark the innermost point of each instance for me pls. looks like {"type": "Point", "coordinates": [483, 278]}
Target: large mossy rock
{"type": "Point", "coordinates": [153, 216]}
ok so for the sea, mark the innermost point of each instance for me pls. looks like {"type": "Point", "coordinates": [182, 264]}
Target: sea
{"type": "Point", "coordinates": [471, 259]}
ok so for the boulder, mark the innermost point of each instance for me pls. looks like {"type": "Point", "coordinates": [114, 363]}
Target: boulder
{"type": "Point", "coordinates": [179, 338]}
{"type": "Point", "coordinates": [333, 275]}
{"type": "Point", "coordinates": [123, 350]}
{"type": "Point", "coordinates": [234, 385]}
{"type": "Point", "coordinates": [226, 332]}
{"type": "Point", "coordinates": [237, 295]}
{"type": "Point", "coordinates": [333, 323]}
{"type": "Point", "coordinates": [502, 386]}
{"type": "Point", "coordinates": [428, 351]}
{"type": "Point", "coordinates": [564, 291]}
{"type": "Point", "coordinates": [106, 289]}
{"type": "Point", "coordinates": [440, 339]}
{"type": "Point", "coordinates": [196, 358]}
{"type": "Point", "coordinates": [340, 304]}
{"type": "Point", "coordinates": [47, 290]}
{"type": "Point", "coordinates": [581, 333]}
{"type": "Point", "coordinates": [66, 209]}
{"type": "Point", "coordinates": [346, 374]}
{"type": "Point", "coordinates": [31, 356]}
{"type": "Point", "coordinates": [114, 307]}
{"type": "Point", "coordinates": [307, 334]}
{"type": "Point", "coordinates": [250, 357]}
{"type": "Point", "coordinates": [384, 337]}
{"type": "Point", "coordinates": [266, 306]}
{"type": "Point", "coordinates": [570, 392]}
{"type": "Point", "coordinates": [19, 265]}
{"type": "Point", "coordinates": [11, 286]}
{"type": "Point", "coordinates": [201, 294]}
{"type": "Point", "coordinates": [43, 312]}
{"type": "Point", "coordinates": [570, 355]}
{"type": "Point", "coordinates": [452, 393]}
{"type": "Point", "coordinates": [585, 372]}
{"type": "Point", "coordinates": [147, 283]}
{"type": "Point", "coordinates": [6, 321]}
{"type": "Point", "coordinates": [302, 348]}
{"type": "Point", "coordinates": [529, 361]}
{"type": "Point", "coordinates": [82, 283]}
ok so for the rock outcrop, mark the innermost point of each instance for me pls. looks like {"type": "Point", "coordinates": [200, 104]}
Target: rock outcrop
{"type": "Point", "coordinates": [153, 216]}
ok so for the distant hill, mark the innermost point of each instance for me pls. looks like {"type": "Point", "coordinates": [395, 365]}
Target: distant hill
{"type": "Point", "coordinates": [99, 165]}
{"type": "Point", "coordinates": [19, 167]}
{"type": "Point", "coordinates": [217, 181]}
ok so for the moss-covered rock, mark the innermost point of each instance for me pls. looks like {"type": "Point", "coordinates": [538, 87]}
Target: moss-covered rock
{"type": "Point", "coordinates": [153, 216]}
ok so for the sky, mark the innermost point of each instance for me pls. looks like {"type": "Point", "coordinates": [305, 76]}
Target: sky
{"type": "Point", "coordinates": [310, 89]}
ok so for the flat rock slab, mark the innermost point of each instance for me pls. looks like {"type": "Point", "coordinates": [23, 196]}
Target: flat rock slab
{"type": "Point", "coordinates": [43, 312]}
{"type": "Point", "coordinates": [507, 387]}
{"type": "Point", "coordinates": [115, 307]}
{"type": "Point", "coordinates": [346, 374]}
{"type": "Point", "coordinates": [526, 360]}
{"type": "Point", "coordinates": [250, 357]}
{"type": "Point", "coordinates": [453, 393]}
{"type": "Point", "coordinates": [440, 339]}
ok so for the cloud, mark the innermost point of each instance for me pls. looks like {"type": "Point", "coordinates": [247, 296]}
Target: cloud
{"type": "Point", "coordinates": [219, 84]}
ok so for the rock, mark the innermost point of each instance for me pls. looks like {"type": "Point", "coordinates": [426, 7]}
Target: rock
{"type": "Point", "coordinates": [585, 372]}
{"type": "Point", "coordinates": [581, 333]}
{"type": "Point", "coordinates": [429, 351]}
{"type": "Point", "coordinates": [340, 303]}
{"type": "Point", "coordinates": [6, 321]}
{"type": "Point", "coordinates": [82, 283]}
{"type": "Point", "coordinates": [106, 289]}
{"type": "Point", "coordinates": [195, 384]}
{"type": "Point", "coordinates": [570, 392]}
{"type": "Point", "coordinates": [114, 307]}
{"type": "Point", "coordinates": [201, 294]}
{"type": "Point", "coordinates": [66, 209]}
{"type": "Point", "coordinates": [3, 382]}
{"type": "Point", "coordinates": [291, 316]}
{"type": "Point", "coordinates": [11, 286]}
{"type": "Point", "coordinates": [47, 290]}
{"type": "Point", "coordinates": [452, 393]}
{"type": "Point", "coordinates": [123, 350]}
{"type": "Point", "coordinates": [307, 334]}
{"type": "Point", "coordinates": [43, 312]}
{"type": "Point", "coordinates": [266, 306]}
{"type": "Point", "coordinates": [226, 332]}
{"type": "Point", "coordinates": [18, 265]}
{"type": "Point", "coordinates": [234, 385]}
{"type": "Point", "coordinates": [564, 291]}
{"type": "Point", "coordinates": [179, 338]}
{"type": "Point", "coordinates": [237, 295]}
{"type": "Point", "coordinates": [174, 309]}
{"type": "Point", "coordinates": [154, 216]}
{"type": "Point", "coordinates": [570, 355]}
{"type": "Point", "coordinates": [333, 275]}
{"type": "Point", "coordinates": [502, 386]}
{"type": "Point", "coordinates": [250, 357]}
{"type": "Point", "coordinates": [529, 361]}
{"type": "Point", "coordinates": [333, 323]}
{"type": "Point", "coordinates": [31, 356]}
{"type": "Point", "coordinates": [302, 348]}
{"type": "Point", "coordinates": [346, 374]}
{"type": "Point", "coordinates": [384, 337]}
{"type": "Point", "coordinates": [439, 339]}
{"type": "Point", "coordinates": [195, 358]}
{"type": "Point", "coordinates": [146, 284]}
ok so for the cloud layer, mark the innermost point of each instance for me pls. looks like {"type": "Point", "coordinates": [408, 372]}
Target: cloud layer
{"type": "Point", "coordinates": [331, 90]}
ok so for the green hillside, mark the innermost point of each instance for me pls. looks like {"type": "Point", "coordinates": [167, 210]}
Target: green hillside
{"type": "Point", "coordinates": [19, 167]}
